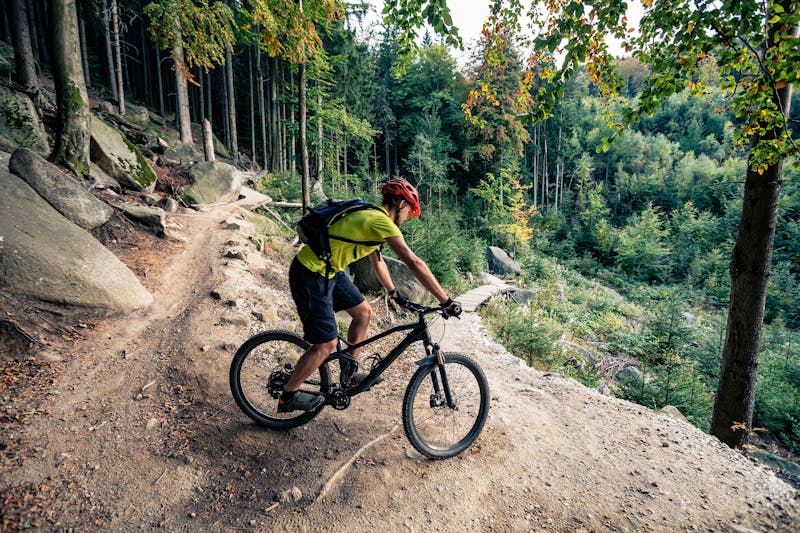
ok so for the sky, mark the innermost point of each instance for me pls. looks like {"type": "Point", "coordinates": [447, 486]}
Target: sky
{"type": "Point", "coordinates": [469, 16]}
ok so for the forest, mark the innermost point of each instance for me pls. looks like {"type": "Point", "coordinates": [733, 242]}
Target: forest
{"type": "Point", "coordinates": [309, 93]}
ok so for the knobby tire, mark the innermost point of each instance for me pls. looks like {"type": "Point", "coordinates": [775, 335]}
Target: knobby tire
{"type": "Point", "coordinates": [434, 429]}
{"type": "Point", "coordinates": [250, 372]}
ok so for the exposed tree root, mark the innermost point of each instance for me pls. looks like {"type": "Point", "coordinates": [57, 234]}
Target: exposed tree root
{"type": "Point", "coordinates": [339, 474]}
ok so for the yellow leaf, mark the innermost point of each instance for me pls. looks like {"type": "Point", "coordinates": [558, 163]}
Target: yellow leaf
{"type": "Point", "coordinates": [690, 27]}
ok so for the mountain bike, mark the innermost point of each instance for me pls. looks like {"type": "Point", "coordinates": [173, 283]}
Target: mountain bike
{"type": "Point", "coordinates": [445, 404]}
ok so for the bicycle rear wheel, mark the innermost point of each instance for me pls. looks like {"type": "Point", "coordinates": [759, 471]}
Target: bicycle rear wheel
{"type": "Point", "coordinates": [259, 371]}
{"type": "Point", "coordinates": [434, 428]}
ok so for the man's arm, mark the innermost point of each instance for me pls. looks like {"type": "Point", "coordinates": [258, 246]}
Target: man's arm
{"type": "Point", "coordinates": [416, 265]}
{"type": "Point", "coordinates": [381, 270]}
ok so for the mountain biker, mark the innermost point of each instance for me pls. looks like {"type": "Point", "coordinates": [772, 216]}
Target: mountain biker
{"type": "Point", "coordinates": [317, 301]}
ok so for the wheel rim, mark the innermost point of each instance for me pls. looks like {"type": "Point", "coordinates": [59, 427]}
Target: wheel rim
{"type": "Point", "coordinates": [438, 426]}
{"type": "Point", "coordinates": [258, 366]}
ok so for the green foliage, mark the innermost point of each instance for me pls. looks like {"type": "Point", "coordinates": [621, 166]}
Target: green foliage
{"type": "Point", "coordinates": [777, 405]}
{"type": "Point", "coordinates": [641, 250]}
{"type": "Point", "coordinates": [409, 16]}
{"type": "Point", "coordinates": [281, 186]}
{"type": "Point", "coordinates": [203, 30]}
{"type": "Point", "coordinates": [527, 334]}
{"type": "Point", "coordinates": [439, 242]}
{"type": "Point", "coordinates": [674, 382]}
{"type": "Point", "coordinates": [287, 28]}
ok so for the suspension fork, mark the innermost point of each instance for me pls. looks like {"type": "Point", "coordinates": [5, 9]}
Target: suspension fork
{"type": "Point", "coordinates": [436, 357]}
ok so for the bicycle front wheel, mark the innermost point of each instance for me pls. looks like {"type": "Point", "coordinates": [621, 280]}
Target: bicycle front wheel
{"type": "Point", "coordinates": [436, 429]}
{"type": "Point", "coordinates": [260, 369]}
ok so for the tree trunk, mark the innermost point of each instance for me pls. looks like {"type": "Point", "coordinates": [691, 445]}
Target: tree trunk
{"type": "Point", "coordinates": [275, 136]}
{"type": "Point", "coordinates": [146, 74]}
{"type": "Point", "coordinates": [84, 50]}
{"type": "Point", "coordinates": [201, 94]}
{"type": "Point", "coordinates": [117, 57]}
{"type": "Point", "coordinates": [182, 109]}
{"type": "Point", "coordinates": [305, 175]}
{"type": "Point", "coordinates": [320, 136]}
{"type": "Point", "coordinates": [226, 123]}
{"type": "Point", "coordinates": [290, 112]}
{"type": "Point", "coordinates": [732, 419]}
{"type": "Point", "coordinates": [252, 107]}
{"type": "Point", "coordinates": [38, 16]}
{"type": "Point", "coordinates": [209, 110]}
{"type": "Point", "coordinates": [161, 110]}
{"type": "Point", "coordinates": [234, 146]}
{"type": "Point", "coordinates": [208, 142]}
{"type": "Point", "coordinates": [261, 109]}
{"type": "Point", "coordinates": [111, 80]}
{"type": "Point", "coordinates": [5, 27]}
{"type": "Point", "coordinates": [23, 52]}
{"type": "Point", "coordinates": [72, 136]}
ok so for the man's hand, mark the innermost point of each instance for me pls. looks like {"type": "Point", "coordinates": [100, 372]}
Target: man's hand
{"type": "Point", "coordinates": [399, 297]}
{"type": "Point", "coordinates": [451, 308]}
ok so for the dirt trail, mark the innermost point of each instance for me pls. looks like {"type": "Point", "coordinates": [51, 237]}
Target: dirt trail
{"type": "Point", "coordinates": [179, 456]}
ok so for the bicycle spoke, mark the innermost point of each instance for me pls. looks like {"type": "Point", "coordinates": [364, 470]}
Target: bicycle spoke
{"type": "Point", "coordinates": [436, 429]}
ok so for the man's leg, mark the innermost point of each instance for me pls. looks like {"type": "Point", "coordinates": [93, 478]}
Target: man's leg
{"type": "Point", "coordinates": [359, 324]}
{"type": "Point", "coordinates": [308, 363]}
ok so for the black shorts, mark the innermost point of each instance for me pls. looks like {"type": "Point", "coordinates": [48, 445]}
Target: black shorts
{"type": "Point", "coordinates": [315, 306]}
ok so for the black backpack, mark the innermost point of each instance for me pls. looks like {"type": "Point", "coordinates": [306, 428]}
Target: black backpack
{"type": "Point", "coordinates": [313, 228]}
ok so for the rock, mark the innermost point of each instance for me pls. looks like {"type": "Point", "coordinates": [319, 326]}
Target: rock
{"type": "Point", "coordinates": [155, 117]}
{"type": "Point", "coordinates": [45, 256]}
{"type": "Point", "coordinates": [152, 424]}
{"type": "Point", "coordinates": [149, 199]}
{"type": "Point", "coordinates": [137, 114]}
{"type": "Point", "coordinates": [522, 296]}
{"type": "Point", "coordinates": [673, 412]}
{"type": "Point", "coordinates": [176, 236]}
{"type": "Point", "coordinates": [500, 262]}
{"type": "Point", "coordinates": [212, 182]}
{"type": "Point", "coordinates": [150, 217]}
{"type": "Point", "coordinates": [240, 321]}
{"type": "Point", "coordinates": [181, 154]}
{"type": "Point", "coordinates": [107, 107]}
{"type": "Point", "coordinates": [778, 463]}
{"type": "Point", "coordinates": [19, 121]}
{"type": "Point", "coordinates": [118, 158]}
{"type": "Point", "coordinates": [63, 192]}
{"type": "Point", "coordinates": [404, 281]}
{"type": "Point", "coordinates": [630, 375]}
{"type": "Point", "coordinates": [293, 495]}
{"type": "Point", "coordinates": [103, 180]}
{"type": "Point", "coordinates": [168, 204]}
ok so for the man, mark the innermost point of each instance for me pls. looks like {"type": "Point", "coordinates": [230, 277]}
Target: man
{"type": "Point", "coordinates": [317, 299]}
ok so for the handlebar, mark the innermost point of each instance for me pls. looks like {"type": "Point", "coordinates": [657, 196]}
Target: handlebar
{"type": "Point", "coordinates": [426, 310]}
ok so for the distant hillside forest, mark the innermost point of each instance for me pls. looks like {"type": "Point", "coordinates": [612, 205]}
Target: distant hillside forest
{"type": "Point", "coordinates": [656, 209]}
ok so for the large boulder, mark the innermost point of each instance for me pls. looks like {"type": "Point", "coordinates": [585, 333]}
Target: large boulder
{"type": "Point", "coordinates": [60, 190]}
{"type": "Point", "coordinates": [500, 262]}
{"type": "Point", "coordinates": [212, 182]}
{"type": "Point", "coordinates": [118, 158]}
{"type": "Point", "coordinates": [404, 281]}
{"type": "Point", "coordinates": [151, 217]}
{"type": "Point", "coordinates": [45, 256]}
{"type": "Point", "coordinates": [20, 122]}
{"type": "Point", "coordinates": [181, 154]}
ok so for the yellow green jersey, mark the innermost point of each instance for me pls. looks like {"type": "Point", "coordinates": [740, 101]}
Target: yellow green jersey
{"type": "Point", "coordinates": [364, 225]}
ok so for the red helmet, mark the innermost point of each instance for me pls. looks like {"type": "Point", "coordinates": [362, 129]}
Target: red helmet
{"type": "Point", "coordinates": [402, 188]}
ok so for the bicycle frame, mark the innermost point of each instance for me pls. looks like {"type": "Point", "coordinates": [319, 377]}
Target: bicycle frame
{"type": "Point", "coordinates": [418, 333]}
